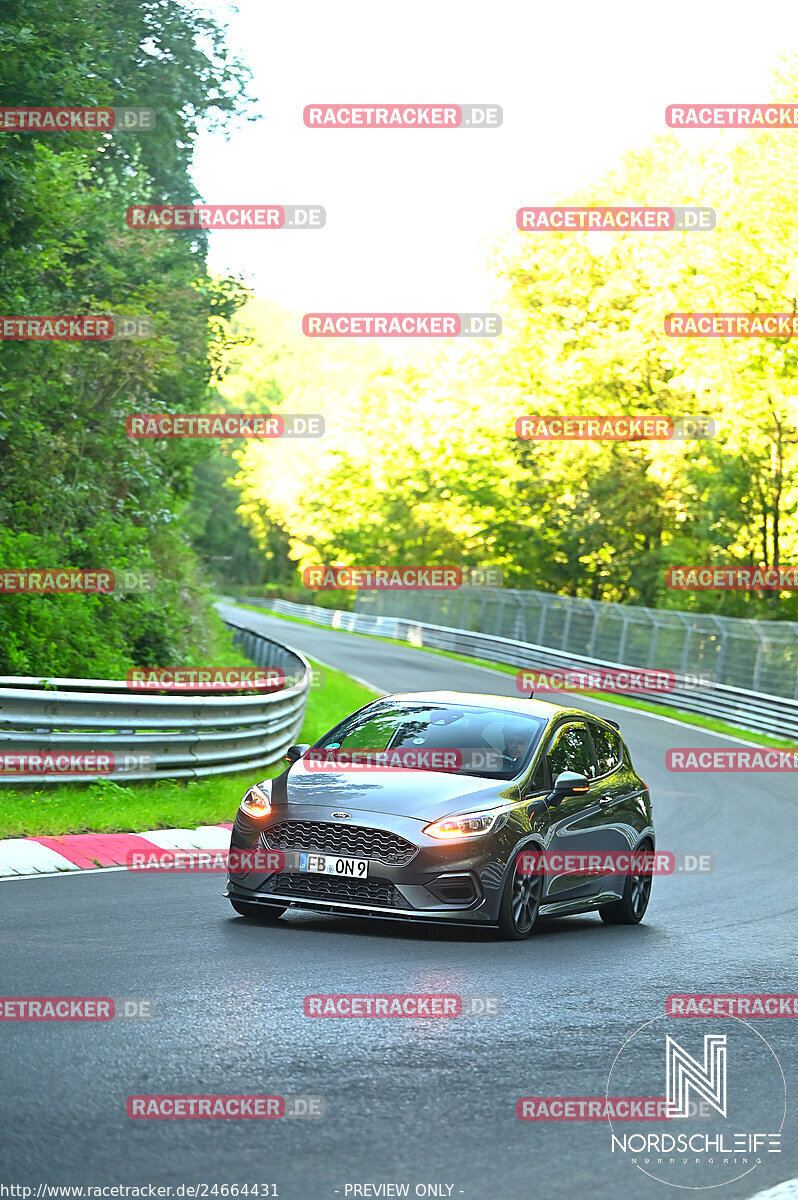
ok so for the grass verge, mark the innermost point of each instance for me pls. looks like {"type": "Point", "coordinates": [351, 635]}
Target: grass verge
{"type": "Point", "coordinates": [109, 807]}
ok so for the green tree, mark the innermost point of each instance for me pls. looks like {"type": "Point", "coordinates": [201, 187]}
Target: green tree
{"type": "Point", "coordinates": [74, 489]}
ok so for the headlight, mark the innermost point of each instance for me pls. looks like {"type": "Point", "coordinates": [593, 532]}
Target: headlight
{"type": "Point", "coordinates": [450, 829]}
{"type": "Point", "coordinates": [256, 802]}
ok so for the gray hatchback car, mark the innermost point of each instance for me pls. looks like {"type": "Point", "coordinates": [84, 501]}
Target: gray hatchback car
{"type": "Point", "coordinates": [436, 806]}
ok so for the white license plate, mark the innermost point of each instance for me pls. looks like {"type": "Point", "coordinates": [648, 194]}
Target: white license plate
{"type": "Point", "coordinates": [325, 864]}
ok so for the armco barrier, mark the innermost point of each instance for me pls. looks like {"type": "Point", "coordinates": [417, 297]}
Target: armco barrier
{"type": "Point", "coordinates": [756, 711]}
{"type": "Point", "coordinates": [189, 736]}
{"type": "Point", "coordinates": [739, 652]}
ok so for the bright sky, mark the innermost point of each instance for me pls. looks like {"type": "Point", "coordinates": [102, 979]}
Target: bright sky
{"type": "Point", "coordinates": [409, 212]}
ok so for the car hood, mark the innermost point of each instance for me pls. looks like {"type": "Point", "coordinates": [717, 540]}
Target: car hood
{"type": "Point", "coordinates": [425, 795]}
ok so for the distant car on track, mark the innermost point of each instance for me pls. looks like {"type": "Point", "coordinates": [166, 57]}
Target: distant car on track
{"type": "Point", "coordinates": [481, 782]}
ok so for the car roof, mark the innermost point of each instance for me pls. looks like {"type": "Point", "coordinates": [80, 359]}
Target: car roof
{"type": "Point", "coordinates": [523, 706]}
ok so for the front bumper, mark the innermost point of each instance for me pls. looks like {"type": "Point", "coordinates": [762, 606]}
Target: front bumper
{"type": "Point", "coordinates": [427, 880]}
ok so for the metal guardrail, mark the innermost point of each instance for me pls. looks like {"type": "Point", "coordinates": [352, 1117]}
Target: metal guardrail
{"type": "Point", "coordinates": [185, 736]}
{"type": "Point", "coordinates": [757, 711]}
{"type": "Point", "coordinates": [739, 652]}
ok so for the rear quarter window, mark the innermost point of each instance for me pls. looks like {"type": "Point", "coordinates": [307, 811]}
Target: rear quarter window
{"type": "Point", "coordinates": [609, 751]}
{"type": "Point", "coordinates": [570, 750]}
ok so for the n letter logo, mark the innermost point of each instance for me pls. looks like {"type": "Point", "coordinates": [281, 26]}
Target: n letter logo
{"type": "Point", "coordinates": [684, 1072]}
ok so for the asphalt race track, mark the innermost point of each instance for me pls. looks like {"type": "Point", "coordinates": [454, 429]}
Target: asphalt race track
{"type": "Point", "coordinates": [415, 1101]}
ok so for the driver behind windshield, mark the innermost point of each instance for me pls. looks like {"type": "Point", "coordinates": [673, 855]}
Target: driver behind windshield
{"type": "Point", "coordinates": [515, 748]}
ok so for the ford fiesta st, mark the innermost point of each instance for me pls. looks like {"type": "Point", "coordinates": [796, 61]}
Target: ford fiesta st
{"type": "Point", "coordinates": [442, 806]}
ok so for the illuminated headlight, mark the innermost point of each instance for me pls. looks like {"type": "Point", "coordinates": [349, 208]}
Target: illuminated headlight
{"type": "Point", "coordinates": [466, 826]}
{"type": "Point", "coordinates": [256, 802]}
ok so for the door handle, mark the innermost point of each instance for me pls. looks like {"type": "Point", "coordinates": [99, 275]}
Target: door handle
{"type": "Point", "coordinates": [606, 799]}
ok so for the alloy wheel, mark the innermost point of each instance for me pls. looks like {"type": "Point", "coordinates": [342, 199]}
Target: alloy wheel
{"type": "Point", "coordinates": [639, 892]}
{"type": "Point", "coordinates": [526, 900]}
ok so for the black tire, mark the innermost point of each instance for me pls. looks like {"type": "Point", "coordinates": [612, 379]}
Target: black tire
{"type": "Point", "coordinates": [631, 908]}
{"type": "Point", "coordinates": [520, 903]}
{"type": "Point", "coordinates": [257, 912]}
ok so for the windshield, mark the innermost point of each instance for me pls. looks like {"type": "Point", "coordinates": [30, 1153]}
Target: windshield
{"type": "Point", "coordinates": [460, 739]}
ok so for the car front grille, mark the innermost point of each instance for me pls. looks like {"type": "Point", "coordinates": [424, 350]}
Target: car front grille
{"type": "Point", "coordinates": [323, 887]}
{"type": "Point", "coordinates": [359, 841]}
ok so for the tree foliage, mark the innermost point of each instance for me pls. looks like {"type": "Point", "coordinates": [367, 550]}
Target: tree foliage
{"type": "Point", "coordinates": [74, 489]}
{"type": "Point", "coordinates": [420, 462]}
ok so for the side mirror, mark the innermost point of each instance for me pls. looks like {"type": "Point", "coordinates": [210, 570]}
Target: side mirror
{"type": "Point", "coordinates": [568, 783]}
{"type": "Point", "coordinates": [295, 752]}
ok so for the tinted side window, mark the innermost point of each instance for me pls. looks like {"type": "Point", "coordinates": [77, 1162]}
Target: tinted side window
{"type": "Point", "coordinates": [608, 749]}
{"type": "Point", "coordinates": [571, 752]}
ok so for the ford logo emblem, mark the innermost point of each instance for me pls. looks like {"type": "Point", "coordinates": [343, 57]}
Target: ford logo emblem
{"type": "Point", "coordinates": [342, 814]}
